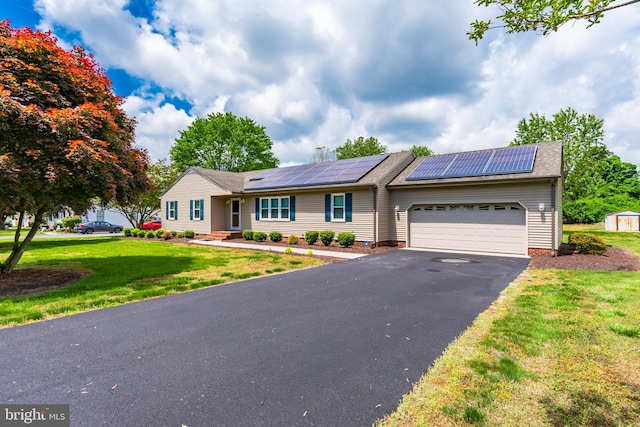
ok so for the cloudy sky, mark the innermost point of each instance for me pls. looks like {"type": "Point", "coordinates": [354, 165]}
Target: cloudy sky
{"type": "Point", "coordinates": [315, 73]}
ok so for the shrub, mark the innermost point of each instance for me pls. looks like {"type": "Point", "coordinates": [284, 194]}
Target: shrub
{"type": "Point", "coordinates": [70, 221]}
{"type": "Point", "coordinates": [311, 237]}
{"type": "Point", "coordinates": [259, 236]}
{"type": "Point", "coordinates": [167, 235]}
{"type": "Point", "coordinates": [275, 236]}
{"type": "Point", "coordinates": [127, 231]}
{"type": "Point", "coordinates": [288, 250]}
{"type": "Point", "coordinates": [293, 239]}
{"type": "Point", "coordinates": [189, 234]}
{"type": "Point", "coordinates": [134, 232]}
{"type": "Point", "coordinates": [181, 234]}
{"type": "Point", "coordinates": [247, 234]}
{"type": "Point", "coordinates": [346, 239]}
{"type": "Point", "coordinates": [174, 233]}
{"type": "Point", "coordinates": [150, 234]}
{"type": "Point", "coordinates": [326, 236]}
{"type": "Point", "coordinates": [588, 243]}
{"type": "Point", "coordinates": [159, 232]}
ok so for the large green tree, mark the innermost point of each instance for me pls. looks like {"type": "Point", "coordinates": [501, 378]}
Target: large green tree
{"type": "Point", "coordinates": [544, 16]}
{"type": "Point", "coordinates": [224, 142]}
{"type": "Point", "coordinates": [421, 150]}
{"type": "Point", "coordinates": [583, 147]}
{"type": "Point", "coordinates": [64, 138]}
{"type": "Point", "coordinates": [360, 147]}
{"type": "Point", "coordinates": [142, 208]}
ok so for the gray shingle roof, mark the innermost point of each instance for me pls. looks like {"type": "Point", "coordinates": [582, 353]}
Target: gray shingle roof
{"type": "Point", "coordinates": [547, 164]}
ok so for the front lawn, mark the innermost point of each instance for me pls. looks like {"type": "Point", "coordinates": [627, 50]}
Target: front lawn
{"type": "Point", "coordinates": [122, 270]}
{"type": "Point", "coordinates": [557, 348]}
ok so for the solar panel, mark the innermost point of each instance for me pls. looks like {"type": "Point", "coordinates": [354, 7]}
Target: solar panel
{"type": "Point", "coordinates": [432, 167]}
{"type": "Point", "coordinates": [468, 164]}
{"type": "Point", "coordinates": [518, 159]}
{"type": "Point", "coordinates": [340, 171]}
{"type": "Point", "coordinates": [512, 160]}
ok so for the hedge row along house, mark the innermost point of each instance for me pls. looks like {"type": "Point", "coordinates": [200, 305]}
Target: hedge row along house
{"type": "Point", "coordinates": [502, 201]}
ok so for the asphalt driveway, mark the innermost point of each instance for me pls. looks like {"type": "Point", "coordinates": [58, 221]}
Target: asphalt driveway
{"type": "Point", "coordinates": [336, 345]}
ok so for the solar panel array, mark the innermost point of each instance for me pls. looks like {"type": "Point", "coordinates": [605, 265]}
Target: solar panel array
{"type": "Point", "coordinates": [338, 172]}
{"type": "Point", "coordinates": [518, 159]}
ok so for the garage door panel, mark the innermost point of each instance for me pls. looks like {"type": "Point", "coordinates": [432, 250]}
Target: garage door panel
{"type": "Point", "coordinates": [486, 228]}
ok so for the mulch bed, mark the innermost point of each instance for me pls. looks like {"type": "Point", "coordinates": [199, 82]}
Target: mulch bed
{"type": "Point", "coordinates": [33, 281]}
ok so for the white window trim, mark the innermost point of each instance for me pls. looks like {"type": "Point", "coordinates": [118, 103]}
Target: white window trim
{"type": "Point", "coordinates": [279, 219]}
{"type": "Point", "coordinates": [196, 217]}
{"type": "Point", "coordinates": [172, 210]}
{"type": "Point", "coordinates": [344, 207]}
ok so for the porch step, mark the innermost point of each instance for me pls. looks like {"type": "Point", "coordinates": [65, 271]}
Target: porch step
{"type": "Point", "coordinates": [222, 235]}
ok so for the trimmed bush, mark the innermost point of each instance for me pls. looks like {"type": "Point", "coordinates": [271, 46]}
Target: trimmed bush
{"type": "Point", "coordinates": [127, 231]}
{"type": "Point", "coordinates": [174, 233]}
{"type": "Point", "coordinates": [275, 236]}
{"type": "Point", "coordinates": [134, 232]}
{"type": "Point", "coordinates": [181, 235]}
{"type": "Point", "coordinates": [189, 234]}
{"type": "Point", "coordinates": [150, 234]}
{"type": "Point", "coordinates": [288, 250]}
{"type": "Point", "coordinates": [70, 221]}
{"type": "Point", "coordinates": [587, 243]}
{"type": "Point", "coordinates": [159, 232]}
{"type": "Point", "coordinates": [247, 234]}
{"type": "Point", "coordinates": [167, 235]}
{"type": "Point", "coordinates": [293, 239]}
{"type": "Point", "coordinates": [326, 236]}
{"type": "Point", "coordinates": [311, 237]}
{"type": "Point", "coordinates": [259, 236]}
{"type": "Point", "coordinates": [346, 239]}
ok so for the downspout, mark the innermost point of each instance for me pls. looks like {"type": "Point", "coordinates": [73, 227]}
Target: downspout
{"type": "Point", "coordinates": [554, 240]}
{"type": "Point", "coordinates": [374, 189]}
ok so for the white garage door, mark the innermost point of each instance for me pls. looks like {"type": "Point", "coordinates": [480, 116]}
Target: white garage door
{"type": "Point", "coordinates": [497, 228]}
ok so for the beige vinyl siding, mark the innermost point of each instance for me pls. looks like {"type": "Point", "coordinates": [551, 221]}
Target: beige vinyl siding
{"type": "Point", "coordinates": [529, 195]}
{"type": "Point", "coordinates": [220, 214]}
{"type": "Point", "coordinates": [191, 186]}
{"type": "Point", "coordinates": [386, 227]}
{"type": "Point", "coordinates": [310, 215]}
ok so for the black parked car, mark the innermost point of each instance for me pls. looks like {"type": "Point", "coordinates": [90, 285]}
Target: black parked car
{"type": "Point", "coordinates": [97, 226]}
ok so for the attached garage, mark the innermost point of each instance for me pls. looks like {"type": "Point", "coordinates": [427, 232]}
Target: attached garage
{"type": "Point", "coordinates": [494, 228]}
{"type": "Point", "coordinates": [500, 201]}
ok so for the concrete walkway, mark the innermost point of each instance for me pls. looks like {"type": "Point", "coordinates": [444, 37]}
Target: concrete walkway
{"type": "Point", "coordinates": [335, 254]}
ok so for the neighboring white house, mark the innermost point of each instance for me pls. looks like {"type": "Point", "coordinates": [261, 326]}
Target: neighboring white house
{"type": "Point", "coordinates": [95, 213]}
{"type": "Point", "coordinates": [622, 221]}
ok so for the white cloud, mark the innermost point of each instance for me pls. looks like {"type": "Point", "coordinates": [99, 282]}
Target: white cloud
{"type": "Point", "coordinates": [315, 74]}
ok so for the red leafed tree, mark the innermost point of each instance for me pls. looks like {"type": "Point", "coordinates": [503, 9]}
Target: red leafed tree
{"type": "Point", "coordinates": [64, 138]}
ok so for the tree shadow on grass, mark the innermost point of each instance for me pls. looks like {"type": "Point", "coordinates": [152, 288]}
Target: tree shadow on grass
{"type": "Point", "coordinates": [588, 408]}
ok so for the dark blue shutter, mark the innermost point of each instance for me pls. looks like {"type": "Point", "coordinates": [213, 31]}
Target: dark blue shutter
{"type": "Point", "coordinates": [166, 211]}
{"type": "Point", "coordinates": [257, 208]}
{"type": "Point", "coordinates": [191, 209]}
{"type": "Point", "coordinates": [327, 207]}
{"type": "Point", "coordinates": [175, 215]}
{"type": "Point", "coordinates": [201, 209]}
{"type": "Point", "coordinates": [347, 206]}
{"type": "Point", "coordinates": [292, 208]}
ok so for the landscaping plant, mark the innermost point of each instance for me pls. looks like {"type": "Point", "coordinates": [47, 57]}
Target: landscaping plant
{"type": "Point", "coordinates": [247, 234]}
{"type": "Point", "coordinates": [346, 239]}
{"type": "Point", "coordinates": [326, 236]}
{"type": "Point", "coordinates": [275, 236]}
{"type": "Point", "coordinates": [311, 237]}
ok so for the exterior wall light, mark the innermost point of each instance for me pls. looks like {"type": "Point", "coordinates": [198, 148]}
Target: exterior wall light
{"type": "Point", "coordinates": [396, 209]}
{"type": "Point", "coordinates": [541, 207]}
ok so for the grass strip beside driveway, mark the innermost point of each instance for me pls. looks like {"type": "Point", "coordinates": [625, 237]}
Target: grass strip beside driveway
{"type": "Point", "coordinates": [557, 348]}
{"type": "Point", "coordinates": [124, 270]}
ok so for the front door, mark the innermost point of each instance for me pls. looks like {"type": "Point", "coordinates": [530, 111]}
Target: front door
{"type": "Point", "coordinates": [235, 214]}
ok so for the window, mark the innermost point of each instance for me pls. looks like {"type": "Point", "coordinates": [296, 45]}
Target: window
{"type": "Point", "coordinates": [172, 209]}
{"type": "Point", "coordinates": [337, 207]}
{"type": "Point", "coordinates": [276, 208]}
{"type": "Point", "coordinates": [196, 210]}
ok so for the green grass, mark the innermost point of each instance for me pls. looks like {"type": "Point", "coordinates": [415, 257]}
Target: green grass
{"type": "Point", "coordinates": [557, 348]}
{"type": "Point", "coordinates": [122, 270]}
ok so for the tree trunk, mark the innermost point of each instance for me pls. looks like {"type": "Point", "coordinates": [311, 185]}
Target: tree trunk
{"type": "Point", "coordinates": [19, 248]}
